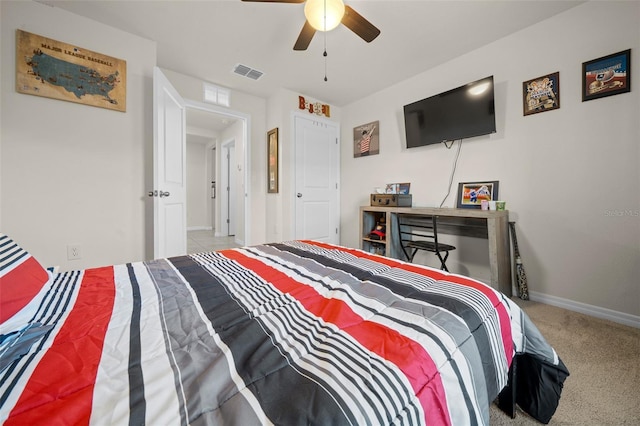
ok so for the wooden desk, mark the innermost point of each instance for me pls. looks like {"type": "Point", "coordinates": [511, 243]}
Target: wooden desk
{"type": "Point", "coordinates": [492, 225]}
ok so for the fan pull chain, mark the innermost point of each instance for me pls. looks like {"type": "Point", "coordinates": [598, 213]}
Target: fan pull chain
{"type": "Point", "coordinates": [325, 56]}
{"type": "Point", "coordinates": [325, 41]}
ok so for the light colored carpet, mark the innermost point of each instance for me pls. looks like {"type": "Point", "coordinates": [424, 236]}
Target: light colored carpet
{"type": "Point", "coordinates": [604, 361]}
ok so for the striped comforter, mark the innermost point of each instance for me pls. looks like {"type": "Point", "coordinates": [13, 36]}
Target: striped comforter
{"type": "Point", "coordinates": [290, 334]}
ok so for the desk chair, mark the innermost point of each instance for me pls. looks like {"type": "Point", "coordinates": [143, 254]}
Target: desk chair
{"type": "Point", "coordinates": [425, 229]}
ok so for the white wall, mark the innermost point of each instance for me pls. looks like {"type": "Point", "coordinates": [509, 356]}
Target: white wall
{"type": "Point", "coordinates": [71, 173]}
{"type": "Point", "coordinates": [564, 173]}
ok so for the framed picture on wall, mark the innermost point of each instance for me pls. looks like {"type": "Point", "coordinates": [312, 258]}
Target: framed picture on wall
{"type": "Point", "coordinates": [606, 76]}
{"type": "Point", "coordinates": [272, 161]}
{"type": "Point", "coordinates": [57, 70]}
{"type": "Point", "coordinates": [471, 194]}
{"type": "Point", "coordinates": [366, 139]}
{"type": "Point", "coordinates": [541, 94]}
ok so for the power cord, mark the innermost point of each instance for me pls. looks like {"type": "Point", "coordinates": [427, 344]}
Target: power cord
{"type": "Point", "coordinates": [453, 171]}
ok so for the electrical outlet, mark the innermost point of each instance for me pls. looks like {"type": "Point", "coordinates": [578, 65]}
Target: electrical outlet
{"type": "Point", "coordinates": [74, 252]}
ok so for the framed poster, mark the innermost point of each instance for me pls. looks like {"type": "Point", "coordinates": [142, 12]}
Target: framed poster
{"type": "Point", "coordinates": [471, 194]}
{"type": "Point", "coordinates": [57, 70]}
{"type": "Point", "coordinates": [366, 139]}
{"type": "Point", "coordinates": [272, 161]}
{"type": "Point", "coordinates": [541, 94]}
{"type": "Point", "coordinates": [606, 76]}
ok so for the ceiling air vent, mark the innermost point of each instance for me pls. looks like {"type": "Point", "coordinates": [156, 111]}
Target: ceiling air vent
{"type": "Point", "coordinates": [248, 72]}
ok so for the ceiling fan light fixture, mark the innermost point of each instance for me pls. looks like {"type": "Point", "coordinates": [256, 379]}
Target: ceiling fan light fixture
{"type": "Point", "coordinates": [314, 11]}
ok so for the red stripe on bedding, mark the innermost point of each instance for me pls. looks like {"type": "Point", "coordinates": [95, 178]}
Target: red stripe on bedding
{"type": "Point", "coordinates": [19, 286]}
{"type": "Point", "coordinates": [406, 354]}
{"type": "Point", "coordinates": [503, 314]}
{"type": "Point", "coordinates": [60, 390]}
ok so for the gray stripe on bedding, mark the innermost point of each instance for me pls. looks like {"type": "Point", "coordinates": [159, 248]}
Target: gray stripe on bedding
{"type": "Point", "coordinates": [193, 350]}
{"type": "Point", "coordinates": [137, 402]}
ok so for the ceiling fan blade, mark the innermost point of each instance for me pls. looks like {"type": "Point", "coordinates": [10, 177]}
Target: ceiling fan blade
{"type": "Point", "coordinates": [359, 25]}
{"type": "Point", "coordinates": [276, 1]}
{"type": "Point", "coordinates": [305, 37]}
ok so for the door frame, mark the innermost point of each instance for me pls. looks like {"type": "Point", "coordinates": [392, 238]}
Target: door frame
{"type": "Point", "coordinates": [246, 161]}
{"type": "Point", "coordinates": [212, 171]}
{"type": "Point", "coordinates": [226, 181]}
{"type": "Point", "coordinates": [294, 115]}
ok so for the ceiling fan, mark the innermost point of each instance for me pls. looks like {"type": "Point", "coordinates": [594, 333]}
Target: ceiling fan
{"type": "Point", "coordinates": [325, 15]}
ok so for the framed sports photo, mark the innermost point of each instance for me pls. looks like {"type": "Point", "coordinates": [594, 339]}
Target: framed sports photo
{"type": "Point", "coordinates": [541, 94]}
{"type": "Point", "coordinates": [471, 194]}
{"type": "Point", "coordinates": [606, 76]}
{"type": "Point", "coordinates": [366, 139]}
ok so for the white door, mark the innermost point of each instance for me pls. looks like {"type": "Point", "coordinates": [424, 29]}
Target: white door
{"type": "Point", "coordinates": [169, 169]}
{"type": "Point", "coordinates": [317, 212]}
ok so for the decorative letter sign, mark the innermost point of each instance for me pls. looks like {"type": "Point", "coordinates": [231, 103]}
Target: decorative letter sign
{"type": "Point", "coordinates": [315, 107]}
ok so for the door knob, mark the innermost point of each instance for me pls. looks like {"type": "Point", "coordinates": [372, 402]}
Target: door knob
{"type": "Point", "coordinates": [299, 195]}
{"type": "Point", "coordinates": [153, 193]}
{"type": "Point", "coordinates": [164, 194]}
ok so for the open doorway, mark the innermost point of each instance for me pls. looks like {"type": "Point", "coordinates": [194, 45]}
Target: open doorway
{"type": "Point", "coordinates": [213, 134]}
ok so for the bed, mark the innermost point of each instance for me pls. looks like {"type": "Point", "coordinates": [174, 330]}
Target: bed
{"type": "Point", "coordinates": [293, 333]}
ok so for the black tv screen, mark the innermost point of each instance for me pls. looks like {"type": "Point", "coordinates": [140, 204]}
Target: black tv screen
{"type": "Point", "coordinates": [464, 112]}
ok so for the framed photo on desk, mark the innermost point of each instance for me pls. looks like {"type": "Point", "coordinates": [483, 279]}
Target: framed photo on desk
{"type": "Point", "coordinates": [471, 194]}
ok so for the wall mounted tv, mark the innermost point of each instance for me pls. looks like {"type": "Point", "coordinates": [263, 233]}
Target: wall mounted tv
{"type": "Point", "coordinates": [464, 112]}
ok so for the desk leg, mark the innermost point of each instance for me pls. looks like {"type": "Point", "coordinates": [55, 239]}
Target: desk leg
{"type": "Point", "coordinates": [500, 254]}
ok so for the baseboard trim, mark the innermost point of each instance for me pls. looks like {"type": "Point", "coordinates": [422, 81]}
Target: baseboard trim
{"type": "Point", "coordinates": [583, 308]}
{"type": "Point", "coordinates": [199, 228]}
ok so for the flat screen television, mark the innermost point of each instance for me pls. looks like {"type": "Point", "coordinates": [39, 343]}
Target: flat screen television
{"type": "Point", "coordinates": [460, 113]}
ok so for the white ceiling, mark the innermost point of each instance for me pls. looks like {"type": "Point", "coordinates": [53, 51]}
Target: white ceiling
{"type": "Point", "coordinates": [206, 123]}
{"type": "Point", "coordinates": [206, 39]}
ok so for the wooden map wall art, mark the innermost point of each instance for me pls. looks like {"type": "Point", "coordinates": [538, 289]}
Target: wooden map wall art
{"type": "Point", "coordinates": [50, 68]}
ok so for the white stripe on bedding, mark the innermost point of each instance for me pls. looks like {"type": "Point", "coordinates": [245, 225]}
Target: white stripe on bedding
{"type": "Point", "coordinates": [111, 384]}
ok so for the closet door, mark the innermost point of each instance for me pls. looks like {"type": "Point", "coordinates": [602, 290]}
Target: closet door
{"type": "Point", "coordinates": [317, 210]}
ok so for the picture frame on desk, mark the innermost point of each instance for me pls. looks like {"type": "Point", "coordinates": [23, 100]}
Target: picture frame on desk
{"type": "Point", "coordinates": [471, 194]}
{"type": "Point", "coordinates": [398, 188]}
